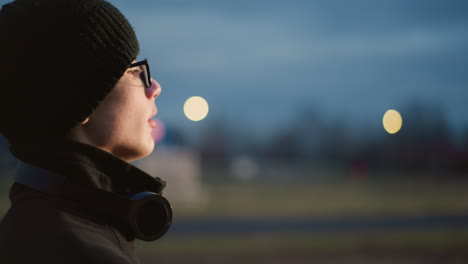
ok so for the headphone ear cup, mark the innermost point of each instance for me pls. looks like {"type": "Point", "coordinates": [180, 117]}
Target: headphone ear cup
{"type": "Point", "coordinates": [150, 216]}
{"type": "Point", "coordinates": [146, 215]}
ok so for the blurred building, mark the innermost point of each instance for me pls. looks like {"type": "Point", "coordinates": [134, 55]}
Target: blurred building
{"type": "Point", "coordinates": [180, 168]}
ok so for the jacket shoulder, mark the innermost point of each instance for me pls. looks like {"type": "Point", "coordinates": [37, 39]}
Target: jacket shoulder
{"type": "Point", "coordinates": [35, 231]}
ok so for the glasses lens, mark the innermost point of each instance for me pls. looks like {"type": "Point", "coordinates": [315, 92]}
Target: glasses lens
{"type": "Point", "coordinates": [145, 72]}
{"type": "Point", "coordinates": [145, 75]}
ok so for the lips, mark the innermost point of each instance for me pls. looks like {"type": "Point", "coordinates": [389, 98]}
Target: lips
{"type": "Point", "coordinates": [152, 123]}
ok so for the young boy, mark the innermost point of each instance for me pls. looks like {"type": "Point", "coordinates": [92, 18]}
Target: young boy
{"type": "Point", "coordinates": [76, 107]}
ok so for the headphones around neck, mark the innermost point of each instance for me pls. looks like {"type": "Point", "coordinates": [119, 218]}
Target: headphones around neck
{"type": "Point", "coordinates": [145, 215]}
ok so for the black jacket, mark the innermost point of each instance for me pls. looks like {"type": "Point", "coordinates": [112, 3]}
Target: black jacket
{"type": "Point", "coordinates": [43, 228]}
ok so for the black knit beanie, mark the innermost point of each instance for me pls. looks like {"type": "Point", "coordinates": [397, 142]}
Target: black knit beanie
{"type": "Point", "coordinates": [58, 60]}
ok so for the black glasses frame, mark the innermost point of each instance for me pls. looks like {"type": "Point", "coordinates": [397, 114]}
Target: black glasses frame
{"type": "Point", "coordinates": [145, 73]}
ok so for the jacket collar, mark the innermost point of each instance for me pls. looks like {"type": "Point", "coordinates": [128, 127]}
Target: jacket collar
{"type": "Point", "coordinates": [88, 166]}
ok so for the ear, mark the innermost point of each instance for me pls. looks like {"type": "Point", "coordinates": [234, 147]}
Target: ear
{"type": "Point", "coordinates": [84, 121]}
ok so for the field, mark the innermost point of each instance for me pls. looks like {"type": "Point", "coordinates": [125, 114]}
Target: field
{"type": "Point", "coordinates": [315, 200]}
{"type": "Point", "coordinates": [335, 200]}
{"type": "Point", "coordinates": [442, 246]}
{"type": "Point", "coordinates": [330, 199]}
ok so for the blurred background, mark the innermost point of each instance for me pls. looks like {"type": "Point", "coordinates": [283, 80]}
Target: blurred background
{"type": "Point", "coordinates": [297, 131]}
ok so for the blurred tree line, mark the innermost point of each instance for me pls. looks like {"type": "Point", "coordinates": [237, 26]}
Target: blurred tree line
{"type": "Point", "coordinates": [424, 147]}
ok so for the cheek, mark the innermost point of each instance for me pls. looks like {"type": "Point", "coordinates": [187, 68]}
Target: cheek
{"type": "Point", "coordinates": [109, 119]}
{"type": "Point", "coordinates": [123, 121]}
{"type": "Point", "coordinates": [128, 117]}
{"type": "Point", "coordinates": [120, 119]}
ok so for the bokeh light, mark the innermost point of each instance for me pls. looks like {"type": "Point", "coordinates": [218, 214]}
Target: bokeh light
{"type": "Point", "coordinates": [159, 131]}
{"type": "Point", "coordinates": [196, 108]}
{"type": "Point", "coordinates": [392, 121]}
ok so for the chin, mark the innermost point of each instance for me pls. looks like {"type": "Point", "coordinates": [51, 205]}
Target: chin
{"type": "Point", "coordinates": [148, 149]}
{"type": "Point", "coordinates": [136, 152]}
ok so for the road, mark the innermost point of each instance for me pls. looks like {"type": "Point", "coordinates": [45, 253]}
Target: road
{"type": "Point", "coordinates": [311, 225]}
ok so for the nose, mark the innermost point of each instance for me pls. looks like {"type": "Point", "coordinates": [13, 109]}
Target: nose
{"type": "Point", "coordinates": [154, 90]}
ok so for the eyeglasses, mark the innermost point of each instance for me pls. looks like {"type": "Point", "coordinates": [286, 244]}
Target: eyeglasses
{"type": "Point", "coordinates": [145, 72]}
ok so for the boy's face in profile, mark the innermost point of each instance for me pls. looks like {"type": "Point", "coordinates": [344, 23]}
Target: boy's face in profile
{"type": "Point", "coordinates": [122, 124]}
